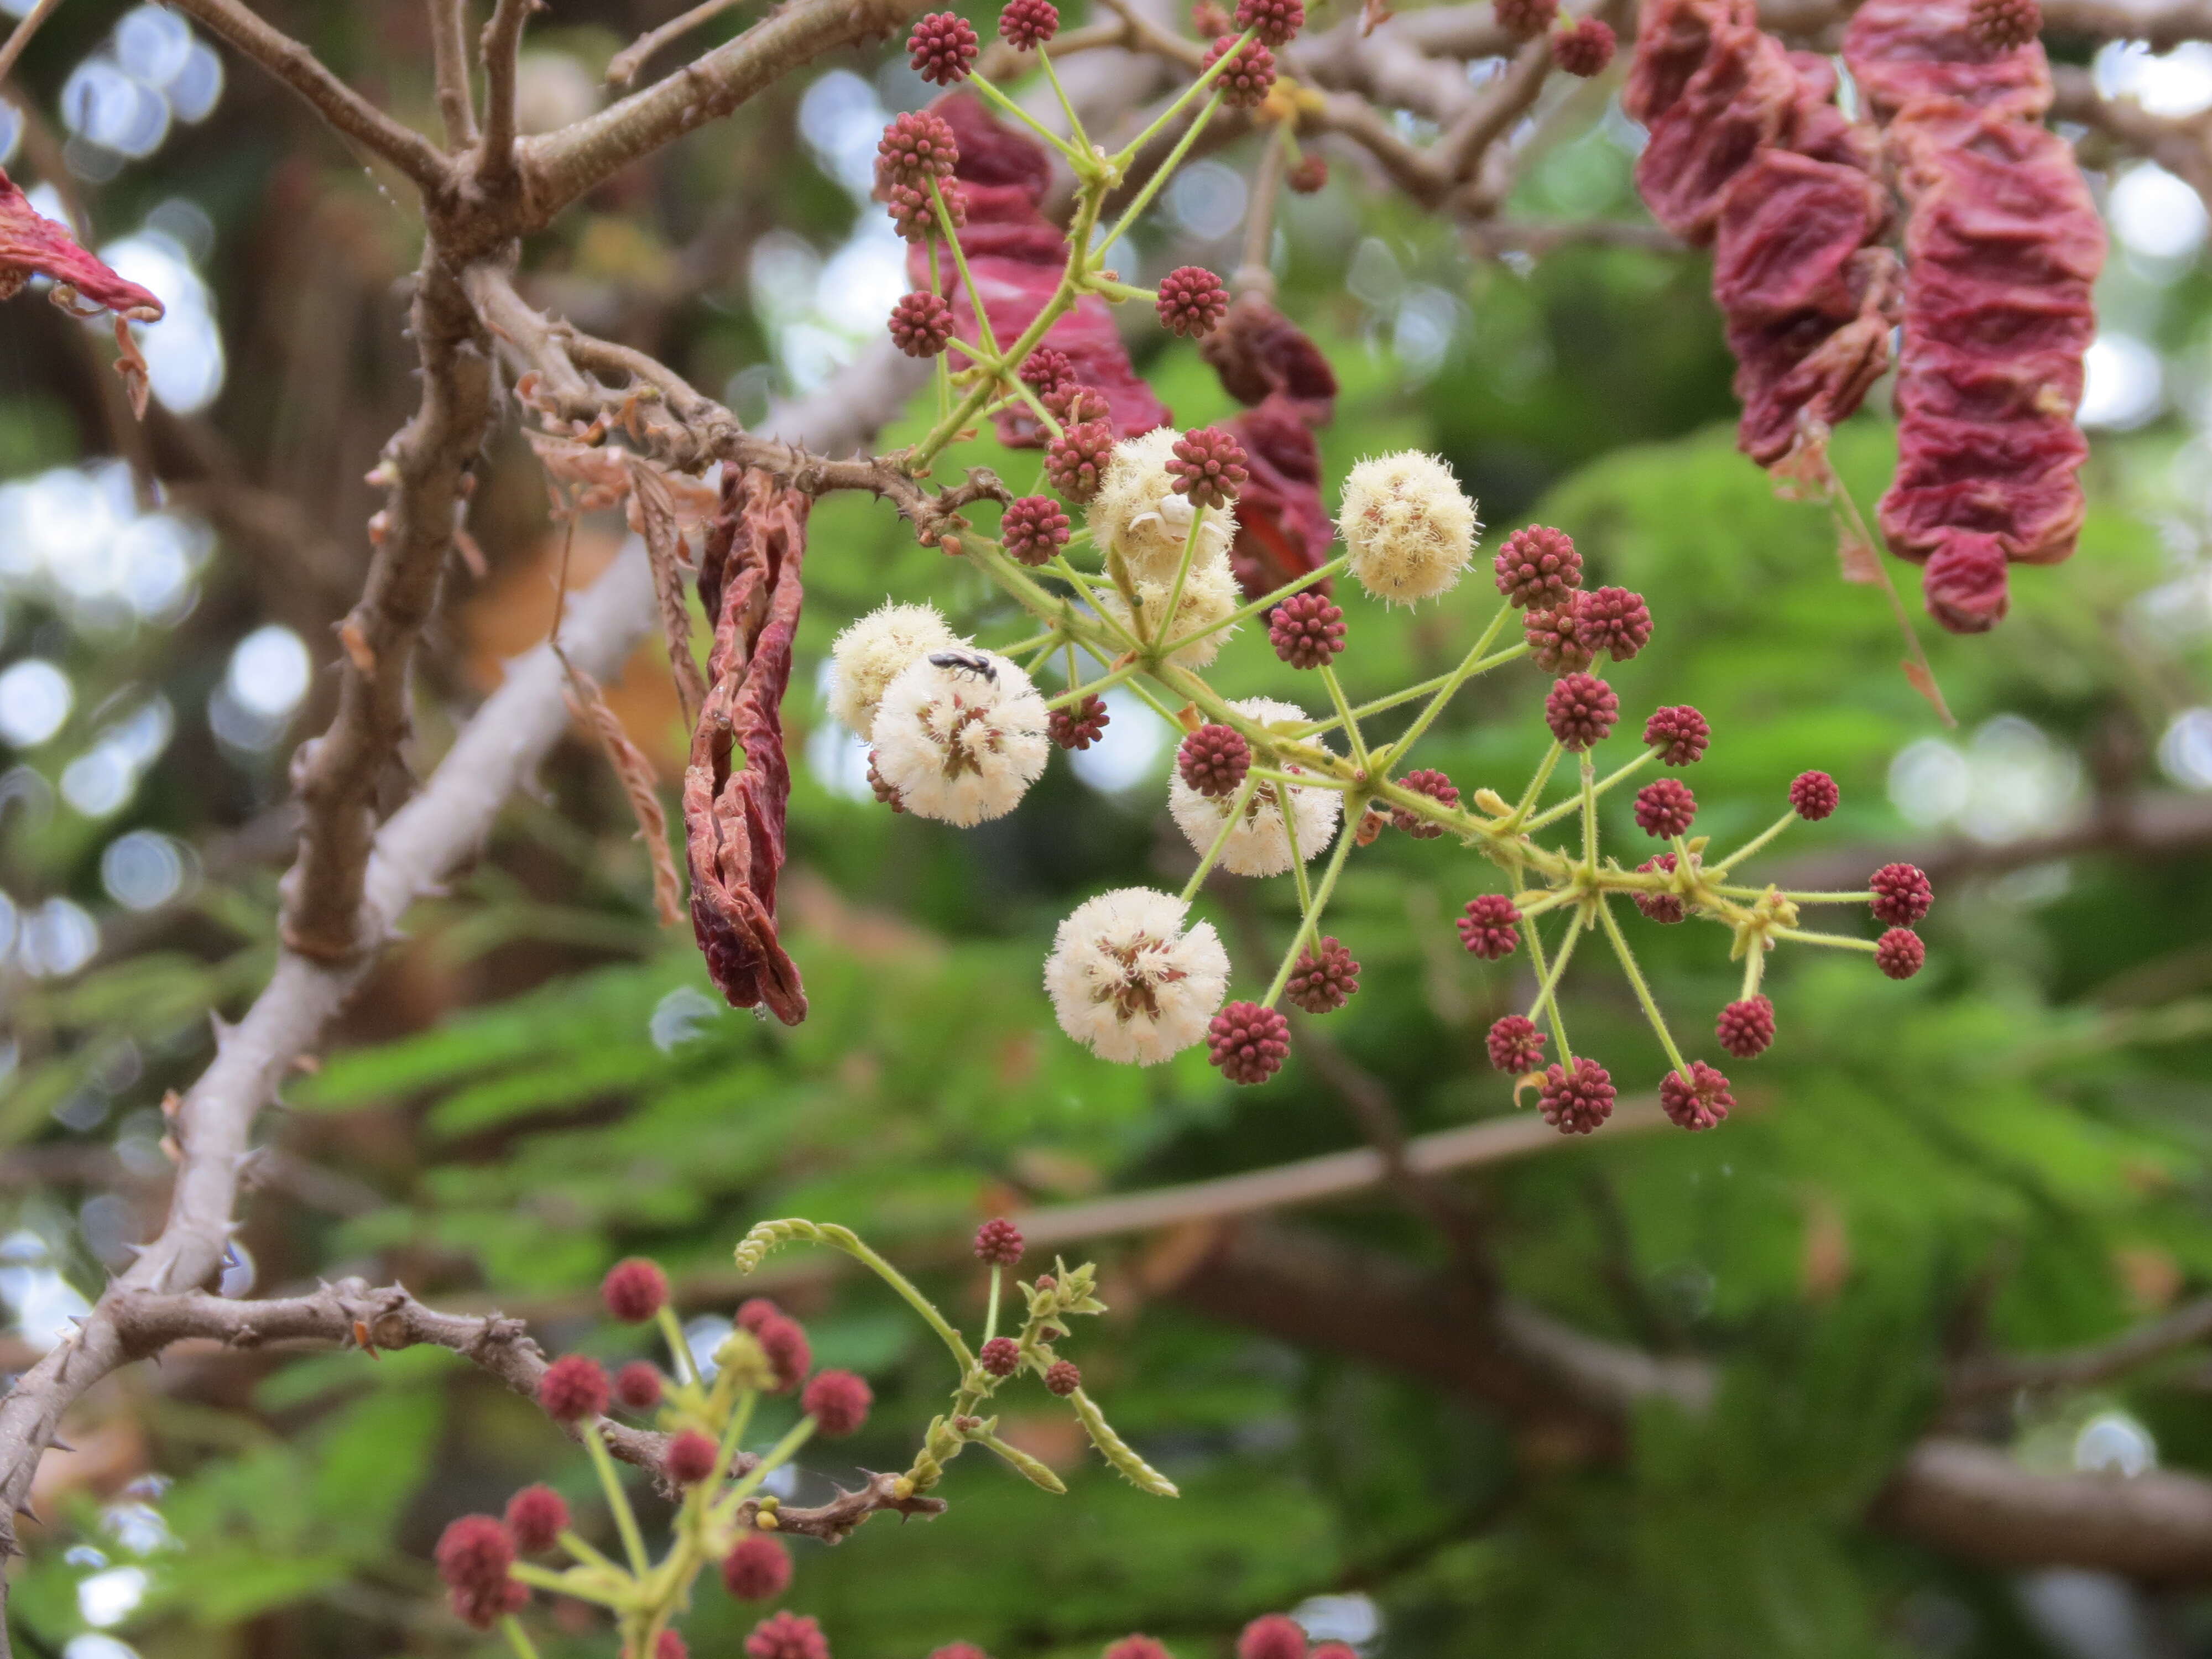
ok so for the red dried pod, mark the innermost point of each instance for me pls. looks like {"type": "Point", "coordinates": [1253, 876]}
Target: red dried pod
{"type": "Point", "coordinates": [1283, 530]}
{"type": "Point", "coordinates": [2003, 244]}
{"type": "Point", "coordinates": [1749, 153]}
{"type": "Point", "coordinates": [32, 244]}
{"type": "Point", "coordinates": [2003, 24]}
{"type": "Point", "coordinates": [738, 784]}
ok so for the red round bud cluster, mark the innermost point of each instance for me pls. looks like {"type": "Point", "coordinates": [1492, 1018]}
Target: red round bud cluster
{"type": "Point", "coordinates": [942, 48]}
{"type": "Point", "coordinates": [920, 323]}
{"type": "Point", "coordinates": [1062, 1377]}
{"type": "Point", "coordinates": [916, 146]}
{"type": "Point", "coordinates": [1214, 759]}
{"type": "Point", "coordinates": [1277, 20]}
{"type": "Point", "coordinates": [536, 1517]}
{"type": "Point", "coordinates": [1079, 725]}
{"type": "Point", "coordinates": [1076, 460]}
{"type": "Point", "coordinates": [1902, 895]}
{"type": "Point", "coordinates": [1585, 49]}
{"type": "Point", "coordinates": [1682, 731]}
{"type": "Point", "coordinates": [1899, 953]}
{"type": "Point", "coordinates": [786, 1636]}
{"type": "Point", "coordinates": [1071, 402]}
{"type": "Point", "coordinates": [473, 1555]}
{"type": "Point", "coordinates": [1813, 795]}
{"type": "Point", "coordinates": [688, 1459]}
{"type": "Point", "coordinates": [1490, 928]}
{"type": "Point", "coordinates": [913, 215]}
{"type": "Point", "coordinates": [1613, 620]}
{"type": "Point", "coordinates": [1538, 567]}
{"type": "Point", "coordinates": [1434, 784]}
{"type": "Point", "coordinates": [1136, 1647]}
{"type": "Point", "coordinates": [1046, 369]}
{"type": "Point", "coordinates": [574, 1388]}
{"type": "Point", "coordinates": [1698, 1101]}
{"type": "Point", "coordinates": [1310, 177]}
{"type": "Point", "coordinates": [1248, 1042]}
{"type": "Point", "coordinates": [2001, 26]}
{"type": "Point", "coordinates": [1665, 808]}
{"type": "Point", "coordinates": [1554, 641]}
{"type": "Point", "coordinates": [1191, 301]}
{"type": "Point", "coordinates": [634, 1290]}
{"type": "Point", "coordinates": [669, 1644]}
{"type": "Point", "coordinates": [1665, 909]}
{"type": "Point", "coordinates": [1251, 72]}
{"type": "Point", "coordinates": [1526, 17]}
{"type": "Point", "coordinates": [1334, 1651]}
{"type": "Point", "coordinates": [959, 1650]}
{"type": "Point", "coordinates": [1000, 1357]}
{"type": "Point", "coordinates": [1033, 529]}
{"type": "Point", "coordinates": [1322, 983]}
{"type": "Point", "coordinates": [1208, 466]}
{"type": "Point", "coordinates": [755, 1311]}
{"type": "Point", "coordinates": [637, 1385]}
{"type": "Point", "coordinates": [1581, 710]}
{"type": "Point", "coordinates": [838, 1402]}
{"type": "Point", "coordinates": [783, 1339]}
{"type": "Point", "coordinates": [1306, 629]}
{"type": "Point", "coordinates": [1515, 1045]}
{"type": "Point", "coordinates": [998, 1241]}
{"type": "Point", "coordinates": [1745, 1029]}
{"type": "Point", "coordinates": [1576, 1101]}
{"type": "Point", "coordinates": [758, 1569]}
{"type": "Point", "coordinates": [1271, 1635]}
{"type": "Point", "coordinates": [1025, 25]}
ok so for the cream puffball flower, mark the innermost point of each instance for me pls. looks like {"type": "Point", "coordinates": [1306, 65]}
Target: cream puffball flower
{"type": "Point", "coordinates": [1259, 844]}
{"type": "Point", "coordinates": [1129, 982]}
{"type": "Point", "coordinates": [1409, 527]}
{"type": "Point", "coordinates": [872, 653]}
{"type": "Point", "coordinates": [958, 743]}
{"type": "Point", "coordinates": [1210, 594]}
{"type": "Point", "coordinates": [1138, 514]}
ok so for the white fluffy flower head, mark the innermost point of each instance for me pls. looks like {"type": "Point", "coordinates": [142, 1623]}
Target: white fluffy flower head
{"type": "Point", "coordinates": [1138, 514]}
{"type": "Point", "coordinates": [1129, 982]}
{"type": "Point", "coordinates": [872, 653]}
{"type": "Point", "coordinates": [1259, 845]}
{"type": "Point", "coordinates": [1409, 527]}
{"type": "Point", "coordinates": [957, 743]}
{"type": "Point", "coordinates": [1210, 593]}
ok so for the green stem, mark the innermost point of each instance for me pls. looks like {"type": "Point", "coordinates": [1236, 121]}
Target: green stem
{"type": "Point", "coordinates": [1319, 907]}
{"type": "Point", "coordinates": [1546, 1003]}
{"type": "Point", "coordinates": [1131, 150]}
{"type": "Point", "coordinates": [516, 1639]}
{"type": "Point", "coordinates": [617, 1500]}
{"type": "Point", "coordinates": [1029, 120]}
{"type": "Point", "coordinates": [525, 1572]}
{"type": "Point", "coordinates": [773, 1458]}
{"type": "Point", "coordinates": [1268, 602]}
{"type": "Point", "coordinates": [1181, 576]}
{"type": "Point", "coordinates": [960, 264]}
{"type": "Point", "coordinates": [991, 1313]}
{"type": "Point", "coordinates": [1590, 812]}
{"type": "Point", "coordinates": [679, 1350]}
{"type": "Point", "coordinates": [1414, 693]}
{"type": "Point", "coordinates": [1754, 845]}
{"type": "Point", "coordinates": [1144, 198]}
{"type": "Point", "coordinates": [1069, 699]}
{"type": "Point", "coordinates": [1351, 732]}
{"type": "Point", "coordinates": [1643, 990]}
{"type": "Point", "coordinates": [1453, 681]}
{"type": "Point", "coordinates": [1536, 790]}
{"type": "Point", "coordinates": [1834, 941]}
{"type": "Point", "coordinates": [1229, 822]}
{"type": "Point", "coordinates": [1080, 139]}
{"type": "Point", "coordinates": [1545, 820]}
{"type": "Point", "coordinates": [1308, 934]}
{"type": "Point", "coordinates": [1801, 898]}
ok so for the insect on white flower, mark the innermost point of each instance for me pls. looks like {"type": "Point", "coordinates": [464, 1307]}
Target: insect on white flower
{"type": "Point", "coordinates": [960, 734]}
{"type": "Point", "coordinates": [1129, 982]}
{"type": "Point", "coordinates": [1259, 844]}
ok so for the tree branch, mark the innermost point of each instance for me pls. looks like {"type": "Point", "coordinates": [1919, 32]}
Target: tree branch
{"type": "Point", "coordinates": [425, 472]}
{"type": "Point", "coordinates": [450, 65]}
{"type": "Point", "coordinates": [502, 46]}
{"type": "Point", "coordinates": [1990, 1376]}
{"type": "Point", "coordinates": [622, 67]}
{"type": "Point", "coordinates": [336, 102]}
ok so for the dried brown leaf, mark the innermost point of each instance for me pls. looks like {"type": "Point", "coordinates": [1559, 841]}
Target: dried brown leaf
{"type": "Point", "coordinates": [636, 772]}
{"type": "Point", "coordinates": [655, 511]}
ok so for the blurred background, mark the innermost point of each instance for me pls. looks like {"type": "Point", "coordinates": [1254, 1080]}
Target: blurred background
{"type": "Point", "coordinates": [2014, 1150]}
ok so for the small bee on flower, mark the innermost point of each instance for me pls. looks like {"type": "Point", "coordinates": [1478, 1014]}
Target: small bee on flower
{"type": "Point", "coordinates": [960, 736]}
